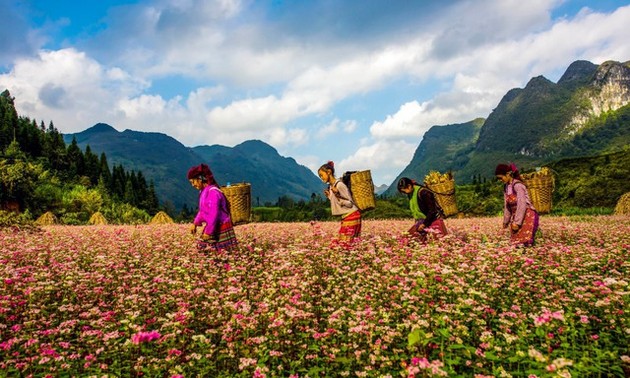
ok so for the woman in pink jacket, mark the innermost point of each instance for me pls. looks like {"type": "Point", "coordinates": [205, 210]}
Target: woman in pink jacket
{"type": "Point", "coordinates": [214, 212]}
{"type": "Point", "coordinates": [519, 215]}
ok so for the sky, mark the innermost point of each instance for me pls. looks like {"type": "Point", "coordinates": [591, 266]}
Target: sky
{"type": "Point", "coordinates": [355, 82]}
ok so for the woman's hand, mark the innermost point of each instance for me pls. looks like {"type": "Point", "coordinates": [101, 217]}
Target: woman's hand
{"type": "Point", "coordinates": [515, 227]}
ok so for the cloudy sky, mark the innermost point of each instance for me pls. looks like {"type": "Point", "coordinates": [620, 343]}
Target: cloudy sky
{"type": "Point", "coordinates": [356, 82]}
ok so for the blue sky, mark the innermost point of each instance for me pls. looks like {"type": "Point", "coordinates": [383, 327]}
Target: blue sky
{"type": "Point", "coordinates": [356, 82]}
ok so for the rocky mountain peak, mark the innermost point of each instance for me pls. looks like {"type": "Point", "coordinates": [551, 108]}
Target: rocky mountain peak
{"type": "Point", "coordinates": [539, 82]}
{"type": "Point", "coordinates": [579, 71]}
{"type": "Point", "coordinates": [611, 72]}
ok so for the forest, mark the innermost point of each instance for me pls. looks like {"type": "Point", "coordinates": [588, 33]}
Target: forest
{"type": "Point", "coordinates": [39, 173]}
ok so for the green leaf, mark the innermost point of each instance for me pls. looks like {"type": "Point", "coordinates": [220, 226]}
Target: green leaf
{"type": "Point", "coordinates": [415, 337]}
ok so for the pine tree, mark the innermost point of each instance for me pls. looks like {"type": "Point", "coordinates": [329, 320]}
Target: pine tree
{"type": "Point", "coordinates": [8, 120]}
{"type": "Point", "coordinates": [92, 165]}
{"type": "Point", "coordinates": [104, 172]}
{"type": "Point", "coordinates": [75, 158]}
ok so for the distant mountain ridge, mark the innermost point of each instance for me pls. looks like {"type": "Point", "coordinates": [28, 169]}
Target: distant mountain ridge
{"type": "Point", "coordinates": [586, 113]}
{"type": "Point", "coordinates": [165, 161]}
{"type": "Point", "coordinates": [270, 174]}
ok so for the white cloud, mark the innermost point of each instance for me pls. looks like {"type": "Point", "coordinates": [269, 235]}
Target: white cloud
{"type": "Point", "coordinates": [385, 159]}
{"type": "Point", "coordinates": [257, 79]}
{"type": "Point", "coordinates": [336, 126]}
{"type": "Point", "coordinates": [69, 88]}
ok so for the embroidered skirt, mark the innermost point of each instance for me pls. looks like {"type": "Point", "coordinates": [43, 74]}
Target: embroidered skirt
{"type": "Point", "coordinates": [225, 241]}
{"type": "Point", "coordinates": [527, 233]}
{"type": "Point", "coordinates": [350, 226]}
{"type": "Point", "coordinates": [436, 229]}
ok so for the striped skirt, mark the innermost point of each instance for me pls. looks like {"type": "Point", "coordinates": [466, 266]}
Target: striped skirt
{"type": "Point", "coordinates": [350, 226]}
{"type": "Point", "coordinates": [226, 240]}
{"type": "Point", "coordinates": [527, 233]}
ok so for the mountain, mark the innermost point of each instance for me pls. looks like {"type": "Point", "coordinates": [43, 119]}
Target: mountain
{"type": "Point", "coordinates": [165, 161]}
{"type": "Point", "coordinates": [380, 189]}
{"type": "Point", "coordinates": [443, 148]}
{"type": "Point", "coordinates": [270, 174]}
{"type": "Point", "coordinates": [586, 113]}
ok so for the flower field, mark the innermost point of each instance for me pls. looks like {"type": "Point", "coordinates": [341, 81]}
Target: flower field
{"type": "Point", "coordinates": [142, 301]}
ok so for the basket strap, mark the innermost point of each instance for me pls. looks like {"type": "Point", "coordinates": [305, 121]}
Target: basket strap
{"type": "Point", "coordinates": [452, 192]}
{"type": "Point", "coordinates": [225, 208]}
{"type": "Point", "coordinates": [347, 199]}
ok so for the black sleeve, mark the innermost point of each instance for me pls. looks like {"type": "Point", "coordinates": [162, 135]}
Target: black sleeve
{"type": "Point", "coordinates": [426, 202]}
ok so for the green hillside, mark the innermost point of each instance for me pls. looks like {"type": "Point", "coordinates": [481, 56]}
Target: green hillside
{"type": "Point", "coordinates": [587, 113]}
{"type": "Point", "coordinates": [443, 148]}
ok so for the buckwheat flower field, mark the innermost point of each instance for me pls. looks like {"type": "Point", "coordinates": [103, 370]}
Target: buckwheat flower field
{"type": "Point", "coordinates": [132, 301]}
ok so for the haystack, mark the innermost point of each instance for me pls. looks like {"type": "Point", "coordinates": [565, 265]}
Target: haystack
{"type": "Point", "coordinates": [97, 218]}
{"type": "Point", "coordinates": [623, 205]}
{"type": "Point", "coordinates": [47, 219]}
{"type": "Point", "coordinates": [161, 218]}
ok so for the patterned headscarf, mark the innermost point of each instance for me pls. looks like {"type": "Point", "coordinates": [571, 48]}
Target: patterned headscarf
{"type": "Point", "coordinates": [202, 172]}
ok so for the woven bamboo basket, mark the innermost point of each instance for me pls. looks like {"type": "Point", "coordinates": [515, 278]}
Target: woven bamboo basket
{"type": "Point", "coordinates": [363, 190]}
{"type": "Point", "coordinates": [239, 197]}
{"type": "Point", "coordinates": [540, 186]}
{"type": "Point", "coordinates": [445, 196]}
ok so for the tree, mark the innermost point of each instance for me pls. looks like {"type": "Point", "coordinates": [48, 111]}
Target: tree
{"type": "Point", "coordinates": [18, 177]}
{"type": "Point", "coordinates": [75, 159]}
{"type": "Point", "coordinates": [8, 120]}
{"type": "Point", "coordinates": [92, 166]}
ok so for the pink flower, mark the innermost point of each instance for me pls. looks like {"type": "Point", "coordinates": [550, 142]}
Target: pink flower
{"type": "Point", "coordinates": [145, 337]}
{"type": "Point", "coordinates": [258, 373]}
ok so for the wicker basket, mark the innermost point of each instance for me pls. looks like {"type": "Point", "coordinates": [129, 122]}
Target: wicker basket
{"type": "Point", "coordinates": [363, 190]}
{"type": "Point", "coordinates": [540, 186]}
{"type": "Point", "coordinates": [445, 196]}
{"type": "Point", "coordinates": [240, 199]}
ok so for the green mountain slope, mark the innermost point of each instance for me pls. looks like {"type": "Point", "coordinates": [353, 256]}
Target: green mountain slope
{"type": "Point", "coordinates": [597, 181]}
{"type": "Point", "coordinates": [443, 148]}
{"type": "Point", "coordinates": [270, 174]}
{"type": "Point", "coordinates": [165, 161]}
{"type": "Point", "coordinates": [587, 113]}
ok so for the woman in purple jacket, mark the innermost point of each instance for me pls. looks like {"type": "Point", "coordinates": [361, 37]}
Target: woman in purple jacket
{"type": "Point", "coordinates": [519, 215]}
{"type": "Point", "coordinates": [214, 212]}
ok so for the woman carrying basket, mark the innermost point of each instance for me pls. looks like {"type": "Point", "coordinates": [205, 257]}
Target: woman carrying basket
{"type": "Point", "coordinates": [341, 203]}
{"type": "Point", "coordinates": [519, 214]}
{"type": "Point", "coordinates": [214, 212]}
{"type": "Point", "coordinates": [424, 208]}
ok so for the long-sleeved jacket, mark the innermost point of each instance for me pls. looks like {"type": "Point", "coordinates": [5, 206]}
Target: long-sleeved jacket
{"type": "Point", "coordinates": [341, 202]}
{"type": "Point", "coordinates": [514, 210]}
{"type": "Point", "coordinates": [213, 210]}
